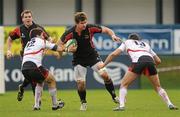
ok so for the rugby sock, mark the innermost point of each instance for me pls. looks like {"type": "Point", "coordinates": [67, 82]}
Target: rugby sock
{"type": "Point", "coordinates": [38, 91]}
{"type": "Point", "coordinates": [110, 87]}
{"type": "Point", "coordinates": [52, 92]}
{"type": "Point", "coordinates": [82, 95]}
{"type": "Point", "coordinates": [164, 96]}
{"type": "Point", "coordinates": [122, 96]}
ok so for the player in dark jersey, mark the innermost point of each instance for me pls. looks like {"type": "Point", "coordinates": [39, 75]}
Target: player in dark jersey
{"type": "Point", "coordinates": [22, 32]}
{"type": "Point", "coordinates": [86, 54]}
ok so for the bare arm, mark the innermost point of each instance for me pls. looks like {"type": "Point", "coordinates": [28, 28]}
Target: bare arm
{"type": "Point", "coordinates": [60, 43]}
{"type": "Point", "coordinates": [157, 60]}
{"type": "Point", "coordinates": [110, 57]}
{"type": "Point", "coordinates": [9, 44]}
{"type": "Point", "coordinates": [110, 33]}
{"type": "Point", "coordinates": [60, 48]}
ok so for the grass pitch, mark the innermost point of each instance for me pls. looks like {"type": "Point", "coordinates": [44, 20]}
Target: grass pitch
{"type": "Point", "coordinates": [140, 103]}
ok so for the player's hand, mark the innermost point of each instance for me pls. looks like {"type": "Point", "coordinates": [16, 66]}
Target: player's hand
{"type": "Point", "coordinates": [61, 48]}
{"type": "Point", "coordinates": [9, 54]}
{"type": "Point", "coordinates": [71, 49]}
{"type": "Point", "coordinates": [58, 55]}
{"type": "Point", "coordinates": [115, 38]}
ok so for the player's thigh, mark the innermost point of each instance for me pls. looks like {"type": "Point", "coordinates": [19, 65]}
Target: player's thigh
{"type": "Point", "coordinates": [80, 73]}
{"type": "Point", "coordinates": [128, 78]}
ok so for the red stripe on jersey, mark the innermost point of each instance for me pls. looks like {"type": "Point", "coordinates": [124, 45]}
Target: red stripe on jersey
{"type": "Point", "coordinates": [16, 33]}
{"type": "Point", "coordinates": [128, 50]}
{"type": "Point", "coordinates": [95, 29]}
{"type": "Point", "coordinates": [91, 35]}
{"type": "Point", "coordinates": [68, 37]}
{"type": "Point", "coordinates": [36, 52]}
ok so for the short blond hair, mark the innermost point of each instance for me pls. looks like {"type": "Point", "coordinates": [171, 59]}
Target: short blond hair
{"type": "Point", "coordinates": [80, 16]}
{"type": "Point", "coordinates": [25, 12]}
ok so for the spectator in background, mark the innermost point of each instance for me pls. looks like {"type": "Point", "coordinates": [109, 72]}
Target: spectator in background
{"type": "Point", "coordinates": [144, 60]}
{"type": "Point", "coordinates": [22, 32]}
{"type": "Point", "coordinates": [86, 56]}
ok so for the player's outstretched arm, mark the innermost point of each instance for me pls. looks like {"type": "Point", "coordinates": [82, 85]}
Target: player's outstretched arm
{"type": "Point", "coordinates": [157, 60]}
{"type": "Point", "coordinates": [111, 56]}
{"type": "Point", "coordinates": [110, 33]}
{"type": "Point", "coordinates": [9, 54]}
{"type": "Point", "coordinates": [60, 43]}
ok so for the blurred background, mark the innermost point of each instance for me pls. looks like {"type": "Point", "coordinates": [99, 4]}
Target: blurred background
{"type": "Point", "coordinates": [157, 21]}
{"type": "Point", "coordinates": [108, 12]}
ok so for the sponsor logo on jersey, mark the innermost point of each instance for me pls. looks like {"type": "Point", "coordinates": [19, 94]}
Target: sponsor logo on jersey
{"type": "Point", "coordinates": [86, 36]}
{"type": "Point", "coordinates": [22, 35]}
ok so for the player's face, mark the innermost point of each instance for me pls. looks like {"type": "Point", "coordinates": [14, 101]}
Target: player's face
{"type": "Point", "coordinates": [82, 25]}
{"type": "Point", "coordinates": [27, 19]}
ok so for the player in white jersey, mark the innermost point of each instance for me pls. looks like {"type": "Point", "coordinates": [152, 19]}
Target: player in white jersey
{"type": "Point", "coordinates": [144, 60]}
{"type": "Point", "coordinates": [33, 70]}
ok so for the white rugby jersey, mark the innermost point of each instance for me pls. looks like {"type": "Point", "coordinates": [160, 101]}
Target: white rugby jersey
{"type": "Point", "coordinates": [34, 50]}
{"type": "Point", "coordinates": [136, 49]}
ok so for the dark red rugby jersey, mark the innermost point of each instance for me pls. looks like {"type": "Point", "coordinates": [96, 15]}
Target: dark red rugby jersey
{"type": "Point", "coordinates": [86, 47]}
{"type": "Point", "coordinates": [22, 33]}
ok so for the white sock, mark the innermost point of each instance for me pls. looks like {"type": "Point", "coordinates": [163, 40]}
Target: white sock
{"type": "Point", "coordinates": [164, 96]}
{"type": "Point", "coordinates": [52, 92]}
{"type": "Point", "coordinates": [122, 96]}
{"type": "Point", "coordinates": [38, 92]}
{"type": "Point", "coordinates": [41, 91]}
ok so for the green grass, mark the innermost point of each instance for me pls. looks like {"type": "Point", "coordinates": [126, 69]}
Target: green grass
{"type": "Point", "coordinates": [140, 103]}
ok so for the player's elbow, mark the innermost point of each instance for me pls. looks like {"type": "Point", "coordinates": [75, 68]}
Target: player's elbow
{"type": "Point", "coordinates": [157, 60]}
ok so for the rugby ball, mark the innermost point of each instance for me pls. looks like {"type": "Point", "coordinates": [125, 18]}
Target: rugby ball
{"type": "Point", "coordinates": [71, 43]}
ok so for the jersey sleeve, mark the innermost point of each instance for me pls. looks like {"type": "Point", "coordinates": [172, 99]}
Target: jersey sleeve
{"type": "Point", "coordinates": [50, 45]}
{"type": "Point", "coordinates": [122, 47]}
{"type": "Point", "coordinates": [15, 34]}
{"type": "Point", "coordinates": [95, 28]}
{"type": "Point", "coordinates": [66, 36]}
{"type": "Point", "coordinates": [152, 52]}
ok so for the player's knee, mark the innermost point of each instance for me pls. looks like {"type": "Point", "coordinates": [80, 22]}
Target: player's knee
{"type": "Point", "coordinates": [103, 73]}
{"type": "Point", "coordinates": [80, 80]}
{"type": "Point", "coordinates": [51, 82]}
{"type": "Point", "coordinates": [124, 83]}
{"type": "Point", "coordinates": [81, 84]}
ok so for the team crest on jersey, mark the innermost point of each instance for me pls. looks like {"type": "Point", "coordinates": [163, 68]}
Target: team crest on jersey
{"type": "Point", "coordinates": [86, 36]}
{"type": "Point", "coordinates": [22, 35]}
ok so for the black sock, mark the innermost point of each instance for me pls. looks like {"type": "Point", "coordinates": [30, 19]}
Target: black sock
{"type": "Point", "coordinates": [82, 95]}
{"type": "Point", "coordinates": [25, 83]}
{"type": "Point", "coordinates": [33, 85]}
{"type": "Point", "coordinates": [110, 87]}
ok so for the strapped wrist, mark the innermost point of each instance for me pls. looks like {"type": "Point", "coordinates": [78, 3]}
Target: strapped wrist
{"type": "Point", "coordinates": [113, 36]}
